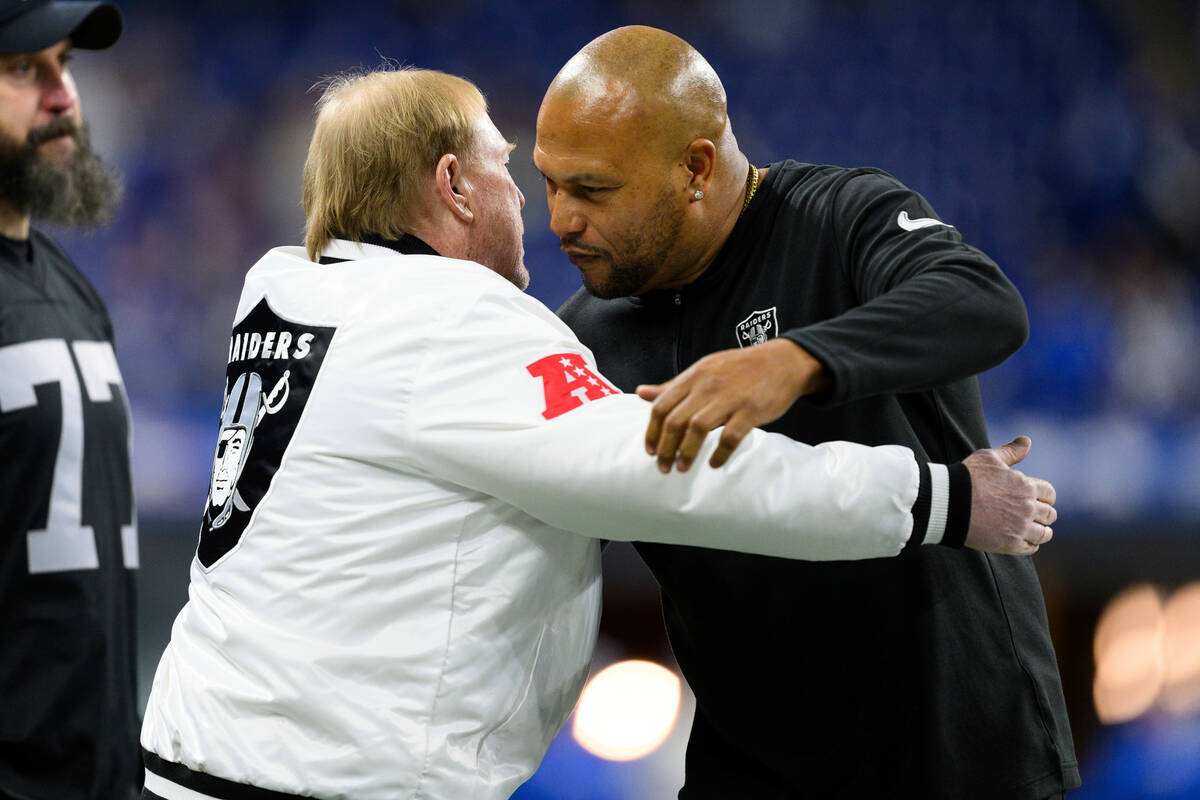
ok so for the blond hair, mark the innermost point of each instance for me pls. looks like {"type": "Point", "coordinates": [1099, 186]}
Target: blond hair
{"type": "Point", "coordinates": [378, 136]}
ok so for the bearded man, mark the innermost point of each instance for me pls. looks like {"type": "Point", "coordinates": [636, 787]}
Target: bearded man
{"type": "Point", "coordinates": [69, 543]}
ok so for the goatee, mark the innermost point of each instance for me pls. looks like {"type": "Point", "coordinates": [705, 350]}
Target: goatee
{"type": "Point", "coordinates": [83, 192]}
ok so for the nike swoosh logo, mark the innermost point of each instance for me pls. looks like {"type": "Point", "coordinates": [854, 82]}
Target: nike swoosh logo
{"type": "Point", "coordinates": [920, 222]}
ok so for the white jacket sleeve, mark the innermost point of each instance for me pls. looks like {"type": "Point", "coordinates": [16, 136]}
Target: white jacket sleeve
{"type": "Point", "coordinates": [508, 403]}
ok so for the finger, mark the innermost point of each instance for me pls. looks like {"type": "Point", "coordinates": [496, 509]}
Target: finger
{"type": "Point", "coordinates": [1014, 451]}
{"type": "Point", "coordinates": [697, 431]}
{"type": "Point", "coordinates": [650, 391]}
{"type": "Point", "coordinates": [1023, 548]}
{"type": "Point", "coordinates": [1045, 490]}
{"type": "Point", "coordinates": [673, 393]}
{"type": "Point", "coordinates": [1037, 534]}
{"type": "Point", "coordinates": [673, 429]}
{"type": "Point", "coordinates": [1044, 513]}
{"type": "Point", "coordinates": [735, 430]}
{"type": "Point", "coordinates": [1016, 547]}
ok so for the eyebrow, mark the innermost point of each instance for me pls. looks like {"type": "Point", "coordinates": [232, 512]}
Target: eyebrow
{"type": "Point", "coordinates": [586, 178]}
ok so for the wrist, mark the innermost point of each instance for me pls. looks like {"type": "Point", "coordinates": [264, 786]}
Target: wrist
{"type": "Point", "coordinates": [808, 375]}
{"type": "Point", "coordinates": [942, 510]}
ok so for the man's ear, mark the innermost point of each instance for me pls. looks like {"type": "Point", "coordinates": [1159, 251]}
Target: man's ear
{"type": "Point", "coordinates": [454, 190]}
{"type": "Point", "coordinates": [700, 159]}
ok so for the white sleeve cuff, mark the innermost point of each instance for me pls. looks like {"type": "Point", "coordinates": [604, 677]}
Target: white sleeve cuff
{"type": "Point", "coordinates": [939, 503]}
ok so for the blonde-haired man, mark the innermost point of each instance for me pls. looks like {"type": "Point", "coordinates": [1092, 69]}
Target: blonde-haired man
{"type": "Point", "coordinates": [396, 588]}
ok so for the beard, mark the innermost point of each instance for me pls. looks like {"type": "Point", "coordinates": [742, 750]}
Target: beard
{"type": "Point", "coordinates": [644, 254]}
{"type": "Point", "coordinates": [83, 192]}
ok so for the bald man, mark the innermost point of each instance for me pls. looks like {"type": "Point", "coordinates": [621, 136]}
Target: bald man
{"type": "Point", "coordinates": [822, 303]}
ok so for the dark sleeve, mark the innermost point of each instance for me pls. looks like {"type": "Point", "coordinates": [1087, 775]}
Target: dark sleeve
{"type": "Point", "coordinates": [933, 309]}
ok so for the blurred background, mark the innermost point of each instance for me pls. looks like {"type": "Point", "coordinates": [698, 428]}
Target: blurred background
{"type": "Point", "coordinates": [1061, 136]}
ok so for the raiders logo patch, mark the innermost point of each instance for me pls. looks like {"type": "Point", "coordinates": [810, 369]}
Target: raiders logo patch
{"type": "Point", "coordinates": [273, 363]}
{"type": "Point", "coordinates": [757, 328]}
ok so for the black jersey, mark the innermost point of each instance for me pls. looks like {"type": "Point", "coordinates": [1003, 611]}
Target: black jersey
{"type": "Point", "coordinates": [68, 720]}
{"type": "Point", "coordinates": [930, 675]}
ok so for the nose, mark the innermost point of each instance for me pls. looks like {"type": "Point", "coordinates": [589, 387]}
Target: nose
{"type": "Point", "coordinates": [564, 217]}
{"type": "Point", "coordinates": [521, 197]}
{"type": "Point", "coordinates": [58, 94]}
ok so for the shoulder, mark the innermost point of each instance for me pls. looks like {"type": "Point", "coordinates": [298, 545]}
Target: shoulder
{"type": "Point", "coordinates": [390, 290]}
{"type": "Point", "coordinates": [867, 184]}
{"type": "Point", "coordinates": [53, 259]}
{"type": "Point", "coordinates": [583, 310]}
{"type": "Point", "coordinates": [579, 306]}
{"type": "Point", "coordinates": [47, 248]}
{"type": "Point", "coordinates": [806, 184]}
{"type": "Point", "coordinates": [852, 196]}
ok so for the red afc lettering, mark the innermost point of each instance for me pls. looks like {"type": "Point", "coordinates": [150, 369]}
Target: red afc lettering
{"type": "Point", "coordinates": [568, 383]}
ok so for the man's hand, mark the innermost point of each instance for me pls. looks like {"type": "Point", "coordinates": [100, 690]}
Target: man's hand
{"type": "Point", "coordinates": [1010, 512]}
{"type": "Point", "coordinates": [740, 389]}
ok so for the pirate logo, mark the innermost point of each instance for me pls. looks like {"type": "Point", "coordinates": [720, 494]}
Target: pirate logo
{"type": "Point", "coordinates": [273, 365]}
{"type": "Point", "coordinates": [244, 410]}
{"type": "Point", "coordinates": [757, 328]}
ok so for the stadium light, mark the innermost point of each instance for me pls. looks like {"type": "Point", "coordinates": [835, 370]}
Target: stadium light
{"type": "Point", "coordinates": [627, 710]}
{"type": "Point", "coordinates": [1129, 655]}
{"type": "Point", "coordinates": [1181, 651]}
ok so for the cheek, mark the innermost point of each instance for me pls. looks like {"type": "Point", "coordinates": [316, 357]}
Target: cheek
{"type": "Point", "coordinates": [622, 233]}
{"type": "Point", "coordinates": [17, 114]}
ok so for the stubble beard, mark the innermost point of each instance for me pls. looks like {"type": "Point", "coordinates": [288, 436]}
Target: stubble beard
{"type": "Point", "coordinates": [83, 192]}
{"type": "Point", "coordinates": [646, 253]}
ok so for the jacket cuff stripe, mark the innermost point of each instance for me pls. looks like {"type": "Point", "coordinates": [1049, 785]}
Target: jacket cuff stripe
{"type": "Point", "coordinates": [939, 503]}
{"type": "Point", "coordinates": [920, 508]}
{"type": "Point", "coordinates": [958, 511]}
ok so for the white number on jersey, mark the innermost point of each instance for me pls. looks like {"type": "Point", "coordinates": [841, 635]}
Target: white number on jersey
{"type": "Point", "coordinates": [65, 543]}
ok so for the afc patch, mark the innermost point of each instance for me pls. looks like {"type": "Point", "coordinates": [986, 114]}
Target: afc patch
{"type": "Point", "coordinates": [568, 383]}
{"type": "Point", "coordinates": [757, 328]}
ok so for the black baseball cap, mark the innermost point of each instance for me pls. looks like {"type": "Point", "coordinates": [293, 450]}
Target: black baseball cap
{"type": "Point", "coordinates": [27, 26]}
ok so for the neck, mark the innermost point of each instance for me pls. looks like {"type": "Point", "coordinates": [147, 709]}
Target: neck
{"type": "Point", "coordinates": [14, 225]}
{"type": "Point", "coordinates": [719, 218]}
{"type": "Point", "coordinates": [446, 243]}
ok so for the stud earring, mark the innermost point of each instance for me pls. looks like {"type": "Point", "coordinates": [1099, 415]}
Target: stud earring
{"type": "Point", "coordinates": [699, 195]}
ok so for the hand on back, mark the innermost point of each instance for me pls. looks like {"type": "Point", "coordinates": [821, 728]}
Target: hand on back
{"type": "Point", "coordinates": [740, 389]}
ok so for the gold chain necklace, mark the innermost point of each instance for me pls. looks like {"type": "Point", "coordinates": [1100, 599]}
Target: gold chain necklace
{"type": "Point", "coordinates": [751, 187]}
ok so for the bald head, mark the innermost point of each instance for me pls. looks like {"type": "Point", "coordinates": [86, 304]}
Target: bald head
{"type": "Point", "coordinates": [644, 179]}
{"type": "Point", "coordinates": [647, 77]}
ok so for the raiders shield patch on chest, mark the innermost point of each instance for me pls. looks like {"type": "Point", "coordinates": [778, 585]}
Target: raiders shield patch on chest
{"type": "Point", "coordinates": [757, 328]}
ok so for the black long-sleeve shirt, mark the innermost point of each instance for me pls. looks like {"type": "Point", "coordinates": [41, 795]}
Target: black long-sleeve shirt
{"type": "Point", "coordinates": [930, 675]}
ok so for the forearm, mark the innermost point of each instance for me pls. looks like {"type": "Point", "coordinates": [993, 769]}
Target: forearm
{"type": "Point", "coordinates": [935, 328]}
{"type": "Point", "coordinates": [588, 473]}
